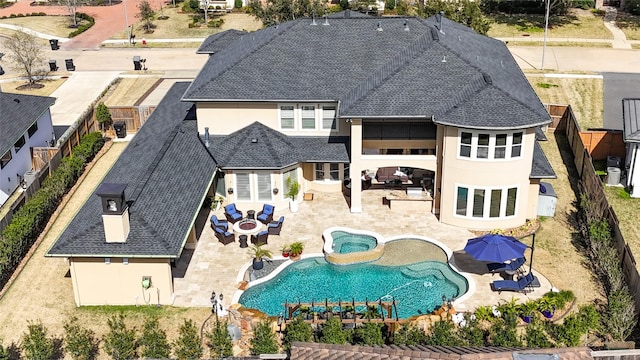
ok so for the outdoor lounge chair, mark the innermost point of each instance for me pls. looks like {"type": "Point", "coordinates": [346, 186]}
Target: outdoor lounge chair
{"type": "Point", "coordinates": [217, 223]}
{"type": "Point", "coordinates": [511, 267]}
{"type": "Point", "coordinates": [520, 285]}
{"type": "Point", "coordinates": [266, 215]}
{"type": "Point", "coordinates": [232, 214]}
{"type": "Point", "coordinates": [260, 238]}
{"type": "Point", "coordinates": [274, 227]}
{"type": "Point", "coordinates": [224, 237]}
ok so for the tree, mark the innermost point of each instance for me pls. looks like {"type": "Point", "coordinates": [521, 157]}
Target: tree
{"type": "Point", "coordinates": [219, 341]}
{"type": "Point", "coordinates": [154, 340]}
{"type": "Point", "coordinates": [297, 330]}
{"type": "Point", "coordinates": [188, 344]}
{"type": "Point", "coordinates": [35, 344]}
{"type": "Point", "coordinates": [465, 12]}
{"type": "Point", "coordinates": [279, 11]}
{"type": "Point", "coordinates": [79, 342]}
{"type": "Point", "coordinates": [146, 14]}
{"type": "Point", "coordinates": [103, 115]}
{"type": "Point", "coordinates": [264, 339]}
{"type": "Point", "coordinates": [120, 342]}
{"type": "Point", "coordinates": [72, 6]}
{"type": "Point", "coordinates": [26, 55]}
{"type": "Point", "coordinates": [332, 332]}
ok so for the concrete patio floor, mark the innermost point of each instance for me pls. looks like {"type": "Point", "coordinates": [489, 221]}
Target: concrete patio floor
{"type": "Point", "coordinates": [215, 267]}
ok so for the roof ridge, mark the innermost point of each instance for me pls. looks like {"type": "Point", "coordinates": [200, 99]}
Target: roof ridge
{"type": "Point", "coordinates": [477, 84]}
{"type": "Point", "coordinates": [386, 71]}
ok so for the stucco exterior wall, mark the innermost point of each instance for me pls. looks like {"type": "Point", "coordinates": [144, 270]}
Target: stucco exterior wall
{"type": "Point", "coordinates": [116, 283]}
{"type": "Point", "coordinates": [460, 171]}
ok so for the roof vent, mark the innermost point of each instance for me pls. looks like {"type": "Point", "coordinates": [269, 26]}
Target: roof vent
{"type": "Point", "coordinates": [17, 101]}
{"type": "Point", "coordinates": [444, 58]}
{"type": "Point", "coordinates": [487, 78]}
{"type": "Point", "coordinates": [440, 16]}
{"type": "Point", "coordinates": [406, 26]}
{"type": "Point", "coordinates": [379, 28]}
{"type": "Point", "coordinates": [347, 13]}
{"type": "Point", "coordinates": [326, 17]}
{"type": "Point", "coordinates": [206, 137]}
{"type": "Point", "coordinates": [254, 140]}
{"type": "Point", "coordinates": [501, 64]}
{"type": "Point", "coordinates": [313, 19]}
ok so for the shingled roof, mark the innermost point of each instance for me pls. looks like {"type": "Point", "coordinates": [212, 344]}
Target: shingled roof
{"type": "Point", "coordinates": [316, 351]}
{"type": "Point", "coordinates": [540, 166]}
{"type": "Point", "coordinates": [168, 171]}
{"type": "Point", "coordinates": [17, 114]}
{"type": "Point", "coordinates": [260, 147]}
{"type": "Point", "coordinates": [377, 67]}
{"type": "Point", "coordinates": [219, 41]}
{"type": "Point", "coordinates": [631, 120]}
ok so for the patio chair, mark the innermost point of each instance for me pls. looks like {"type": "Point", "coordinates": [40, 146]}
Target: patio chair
{"type": "Point", "coordinates": [511, 267]}
{"type": "Point", "coordinates": [266, 215]}
{"type": "Point", "coordinates": [260, 238]}
{"type": "Point", "coordinates": [217, 223]}
{"type": "Point", "coordinates": [224, 237]}
{"type": "Point", "coordinates": [520, 285]}
{"type": "Point", "coordinates": [274, 227]}
{"type": "Point", "coordinates": [232, 214]}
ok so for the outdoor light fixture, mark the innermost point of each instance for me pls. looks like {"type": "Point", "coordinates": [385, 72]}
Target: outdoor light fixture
{"type": "Point", "coordinates": [230, 191]}
{"type": "Point", "coordinates": [275, 191]}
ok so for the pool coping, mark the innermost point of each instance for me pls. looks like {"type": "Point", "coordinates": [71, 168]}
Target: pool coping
{"type": "Point", "coordinates": [450, 261]}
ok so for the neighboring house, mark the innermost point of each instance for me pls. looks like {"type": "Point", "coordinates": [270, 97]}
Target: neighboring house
{"type": "Point", "coordinates": [25, 123]}
{"type": "Point", "coordinates": [631, 136]}
{"type": "Point", "coordinates": [322, 101]}
{"type": "Point", "coordinates": [318, 102]}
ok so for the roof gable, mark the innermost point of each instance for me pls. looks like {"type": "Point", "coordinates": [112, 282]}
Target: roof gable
{"type": "Point", "coordinates": [631, 120]}
{"type": "Point", "coordinates": [17, 113]}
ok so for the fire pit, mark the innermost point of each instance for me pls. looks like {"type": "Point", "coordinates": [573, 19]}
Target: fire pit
{"type": "Point", "coordinates": [247, 227]}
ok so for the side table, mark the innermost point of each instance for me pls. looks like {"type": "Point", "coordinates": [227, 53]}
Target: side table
{"type": "Point", "coordinates": [243, 241]}
{"type": "Point", "coordinates": [251, 214]}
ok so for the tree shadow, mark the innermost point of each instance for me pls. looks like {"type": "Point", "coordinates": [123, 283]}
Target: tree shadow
{"type": "Point", "coordinates": [627, 21]}
{"type": "Point", "coordinates": [534, 23]}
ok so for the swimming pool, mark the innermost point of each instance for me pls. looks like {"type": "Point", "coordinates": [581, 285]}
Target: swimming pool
{"type": "Point", "coordinates": [346, 242]}
{"type": "Point", "coordinates": [417, 288]}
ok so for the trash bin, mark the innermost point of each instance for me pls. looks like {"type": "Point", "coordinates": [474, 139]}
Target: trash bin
{"type": "Point", "coordinates": [121, 129]}
{"type": "Point", "coordinates": [52, 65]}
{"type": "Point", "coordinates": [54, 44]}
{"type": "Point", "coordinates": [69, 63]}
{"type": "Point", "coordinates": [137, 65]}
{"type": "Point", "coordinates": [613, 176]}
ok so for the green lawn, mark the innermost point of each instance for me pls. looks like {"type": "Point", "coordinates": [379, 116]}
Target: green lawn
{"type": "Point", "coordinates": [579, 24]}
{"type": "Point", "coordinates": [53, 25]}
{"type": "Point", "coordinates": [630, 25]}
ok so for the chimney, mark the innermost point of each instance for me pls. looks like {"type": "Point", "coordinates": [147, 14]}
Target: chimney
{"type": "Point", "coordinates": [206, 137]}
{"type": "Point", "coordinates": [115, 212]}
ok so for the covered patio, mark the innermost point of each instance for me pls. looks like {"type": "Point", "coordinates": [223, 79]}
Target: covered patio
{"type": "Point", "coordinates": [215, 267]}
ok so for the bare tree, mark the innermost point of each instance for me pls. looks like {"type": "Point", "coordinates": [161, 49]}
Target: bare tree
{"type": "Point", "coordinates": [26, 55]}
{"type": "Point", "coordinates": [72, 6]}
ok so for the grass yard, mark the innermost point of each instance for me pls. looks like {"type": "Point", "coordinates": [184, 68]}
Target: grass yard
{"type": "Point", "coordinates": [578, 24]}
{"type": "Point", "coordinates": [517, 42]}
{"type": "Point", "coordinates": [50, 85]}
{"type": "Point", "coordinates": [627, 210]}
{"type": "Point", "coordinates": [586, 97]}
{"type": "Point", "coordinates": [177, 25]}
{"type": "Point", "coordinates": [129, 90]}
{"type": "Point", "coordinates": [630, 25]}
{"type": "Point", "coordinates": [53, 25]}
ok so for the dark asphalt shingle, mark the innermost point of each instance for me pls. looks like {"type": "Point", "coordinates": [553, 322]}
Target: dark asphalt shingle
{"type": "Point", "coordinates": [631, 120]}
{"type": "Point", "coordinates": [167, 171]}
{"type": "Point", "coordinates": [17, 114]}
{"type": "Point", "coordinates": [217, 42]}
{"type": "Point", "coordinates": [540, 166]}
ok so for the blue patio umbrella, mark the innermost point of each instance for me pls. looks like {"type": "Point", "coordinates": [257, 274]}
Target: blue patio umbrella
{"type": "Point", "coordinates": [495, 248]}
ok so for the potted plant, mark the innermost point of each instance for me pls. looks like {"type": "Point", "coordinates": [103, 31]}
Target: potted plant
{"type": "Point", "coordinates": [295, 250]}
{"type": "Point", "coordinates": [216, 202]}
{"type": "Point", "coordinates": [285, 250]}
{"type": "Point", "coordinates": [258, 254]}
{"type": "Point", "coordinates": [293, 188]}
{"type": "Point", "coordinates": [546, 306]}
{"type": "Point", "coordinates": [526, 310]}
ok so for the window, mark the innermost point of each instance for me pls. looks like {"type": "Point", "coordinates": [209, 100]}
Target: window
{"type": "Point", "coordinates": [264, 187]}
{"type": "Point", "coordinates": [287, 117]}
{"type": "Point", "coordinates": [4, 160]}
{"type": "Point", "coordinates": [501, 146]}
{"type": "Point", "coordinates": [345, 171]}
{"type": "Point", "coordinates": [329, 117]}
{"type": "Point", "coordinates": [19, 144]}
{"type": "Point", "coordinates": [516, 145]}
{"type": "Point", "coordinates": [334, 171]}
{"type": "Point", "coordinates": [491, 203]}
{"type": "Point", "coordinates": [319, 171]}
{"type": "Point", "coordinates": [483, 146]}
{"type": "Point", "coordinates": [465, 144]}
{"type": "Point", "coordinates": [32, 130]}
{"type": "Point", "coordinates": [308, 117]}
{"type": "Point", "coordinates": [243, 186]}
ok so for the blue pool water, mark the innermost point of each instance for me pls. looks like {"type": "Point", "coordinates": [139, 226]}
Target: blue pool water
{"type": "Point", "coordinates": [345, 243]}
{"type": "Point", "coordinates": [417, 288]}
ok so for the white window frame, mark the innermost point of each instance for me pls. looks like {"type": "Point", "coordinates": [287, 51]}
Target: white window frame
{"type": "Point", "coordinates": [486, 206]}
{"type": "Point", "coordinates": [254, 187]}
{"type": "Point", "coordinates": [327, 171]}
{"type": "Point", "coordinates": [240, 191]}
{"type": "Point", "coordinates": [318, 116]}
{"type": "Point", "coordinates": [334, 119]}
{"type": "Point", "coordinates": [280, 112]}
{"type": "Point", "coordinates": [257, 176]}
{"type": "Point", "coordinates": [491, 148]}
{"type": "Point", "coordinates": [314, 111]}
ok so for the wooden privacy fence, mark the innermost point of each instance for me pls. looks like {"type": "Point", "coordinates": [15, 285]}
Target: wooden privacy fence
{"type": "Point", "coordinates": [590, 183]}
{"type": "Point", "coordinates": [133, 116]}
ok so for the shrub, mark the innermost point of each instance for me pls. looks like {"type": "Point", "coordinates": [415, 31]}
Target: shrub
{"type": "Point", "coordinates": [264, 339]}
{"type": "Point", "coordinates": [442, 333]}
{"type": "Point", "coordinates": [103, 116]}
{"type": "Point", "coordinates": [35, 343]}
{"type": "Point", "coordinates": [79, 343]}
{"type": "Point", "coordinates": [409, 334]}
{"type": "Point", "coordinates": [503, 333]}
{"type": "Point", "coordinates": [535, 335]}
{"type": "Point", "coordinates": [369, 334]}
{"type": "Point", "coordinates": [633, 7]}
{"type": "Point", "coordinates": [471, 334]}
{"type": "Point", "coordinates": [620, 316]}
{"type": "Point", "coordinates": [215, 23]}
{"type": "Point", "coordinates": [237, 4]}
{"type": "Point", "coordinates": [583, 4]}
{"type": "Point", "coordinates": [154, 340]}
{"type": "Point", "coordinates": [332, 332]}
{"type": "Point", "coordinates": [84, 27]}
{"type": "Point", "coordinates": [297, 330]}
{"type": "Point", "coordinates": [120, 342]}
{"type": "Point", "coordinates": [219, 341]}
{"type": "Point", "coordinates": [188, 344]}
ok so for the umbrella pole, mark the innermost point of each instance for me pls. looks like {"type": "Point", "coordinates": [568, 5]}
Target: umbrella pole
{"type": "Point", "coordinates": [533, 246]}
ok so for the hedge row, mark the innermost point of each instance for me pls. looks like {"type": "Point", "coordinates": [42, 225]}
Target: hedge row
{"type": "Point", "coordinates": [21, 15]}
{"type": "Point", "coordinates": [29, 221]}
{"type": "Point", "coordinates": [84, 27]}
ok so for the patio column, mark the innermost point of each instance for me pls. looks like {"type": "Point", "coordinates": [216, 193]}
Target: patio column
{"type": "Point", "coordinates": [355, 169]}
